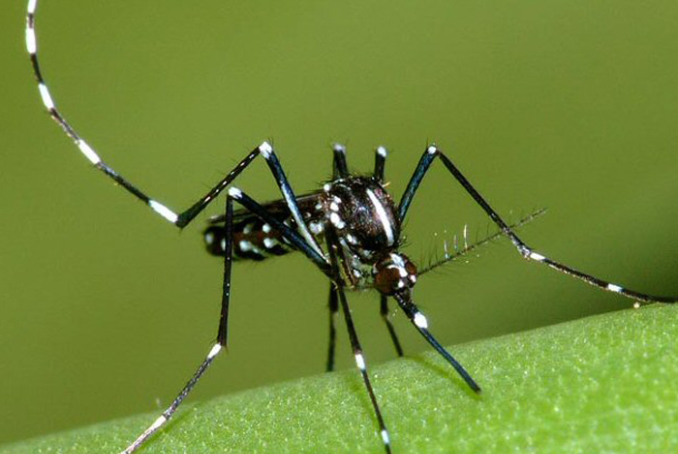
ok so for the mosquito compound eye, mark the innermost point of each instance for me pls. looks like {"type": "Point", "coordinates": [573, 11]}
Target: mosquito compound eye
{"type": "Point", "coordinates": [394, 273]}
{"type": "Point", "coordinates": [411, 271]}
{"type": "Point", "coordinates": [387, 280]}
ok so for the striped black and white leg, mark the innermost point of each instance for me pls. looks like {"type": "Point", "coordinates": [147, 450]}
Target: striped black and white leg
{"type": "Point", "coordinates": [380, 155]}
{"type": "Point", "coordinates": [384, 312]}
{"type": "Point", "coordinates": [333, 304]}
{"type": "Point", "coordinates": [178, 219]}
{"type": "Point", "coordinates": [339, 166]}
{"type": "Point", "coordinates": [167, 414]}
{"type": "Point", "coordinates": [421, 323]}
{"type": "Point", "coordinates": [527, 252]}
{"type": "Point", "coordinates": [293, 237]}
{"type": "Point", "coordinates": [360, 362]}
{"type": "Point", "coordinates": [362, 367]}
{"type": "Point", "coordinates": [289, 234]}
{"type": "Point", "coordinates": [216, 348]}
{"type": "Point", "coordinates": [334, 310]}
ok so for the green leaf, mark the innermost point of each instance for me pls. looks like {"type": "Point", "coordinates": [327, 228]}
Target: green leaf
{"type": "Point", "coordinates": [604, 384]}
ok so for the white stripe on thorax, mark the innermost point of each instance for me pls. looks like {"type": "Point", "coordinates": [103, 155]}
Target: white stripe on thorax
{"type": "Point", "coordinates": [383, 217]}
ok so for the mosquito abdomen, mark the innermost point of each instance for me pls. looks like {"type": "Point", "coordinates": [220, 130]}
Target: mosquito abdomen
{"type": "Point", "coordinates": [252, 240]}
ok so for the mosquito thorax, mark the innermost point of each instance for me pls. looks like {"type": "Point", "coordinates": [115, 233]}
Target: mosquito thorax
{"type": "Point", "coordinates": [393, 273]}
{"type": "Point", "coordinates": [363, 216]}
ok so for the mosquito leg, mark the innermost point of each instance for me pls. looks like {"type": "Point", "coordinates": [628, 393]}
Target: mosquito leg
{"type": "Point", "coordinates": [216, 348]}
{"type": "Point", "coordinates": [289, 234]}
{"type": "Point", "coordinates": [421, 323]}
{"type": "Point", "coordinates": [332, 245]}
{"type": "Point", "coordinates": [413, 185]}
{"type": "Point", "coordinates": [269, 155]}
{"type": "Point", "coordinates": [267, 152]}
{"type": "Point", "coordinates": [179, 219]}
{"type": "Point", "coordinates": [391, 329]}
{"type": "Point", "coordinates": [362, 366]}
{"type": "Point", "coordinates": [379, 162]}
{"type": "Point", "coordinates": [222, 334]}
{"type": "Point", "coordinates": [167, 414]}
{"type": "Point", "coordinates": [334, 310]}
{"type": "Point", "coordinates": [339, 166]}
{"type": "Point", "coordinates": [85, 148]}
{"type": "Point", "coordinates": [527, 252]}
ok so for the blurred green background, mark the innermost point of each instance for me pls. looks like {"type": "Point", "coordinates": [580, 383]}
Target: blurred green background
{"type": "Point", "coordinates": [106, 309]}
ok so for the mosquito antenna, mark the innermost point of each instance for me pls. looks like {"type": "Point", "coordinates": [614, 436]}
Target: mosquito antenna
{"type": "Point", "coordinates": [470, 247]}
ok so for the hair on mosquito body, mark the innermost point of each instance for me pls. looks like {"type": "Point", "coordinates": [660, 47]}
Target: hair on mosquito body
{"type": "Point", "coordinates": [465, 244]}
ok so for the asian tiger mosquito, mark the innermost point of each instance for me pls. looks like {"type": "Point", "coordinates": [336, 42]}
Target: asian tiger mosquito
{"type": "Point", "coordinates": [350, 229]}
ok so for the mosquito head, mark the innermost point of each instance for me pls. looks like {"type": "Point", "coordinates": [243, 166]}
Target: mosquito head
{"type": "Point", "coordinates": [393, 273]}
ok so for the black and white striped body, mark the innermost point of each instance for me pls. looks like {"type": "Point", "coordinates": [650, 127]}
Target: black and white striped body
{"type": "Point", "coordinates": [359, 211]}
{"type": "Point", "coordinates": [255, 239]}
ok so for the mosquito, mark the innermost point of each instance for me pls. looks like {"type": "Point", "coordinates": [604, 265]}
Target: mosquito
{"type": "Point", "coordinates": [350, 229]}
